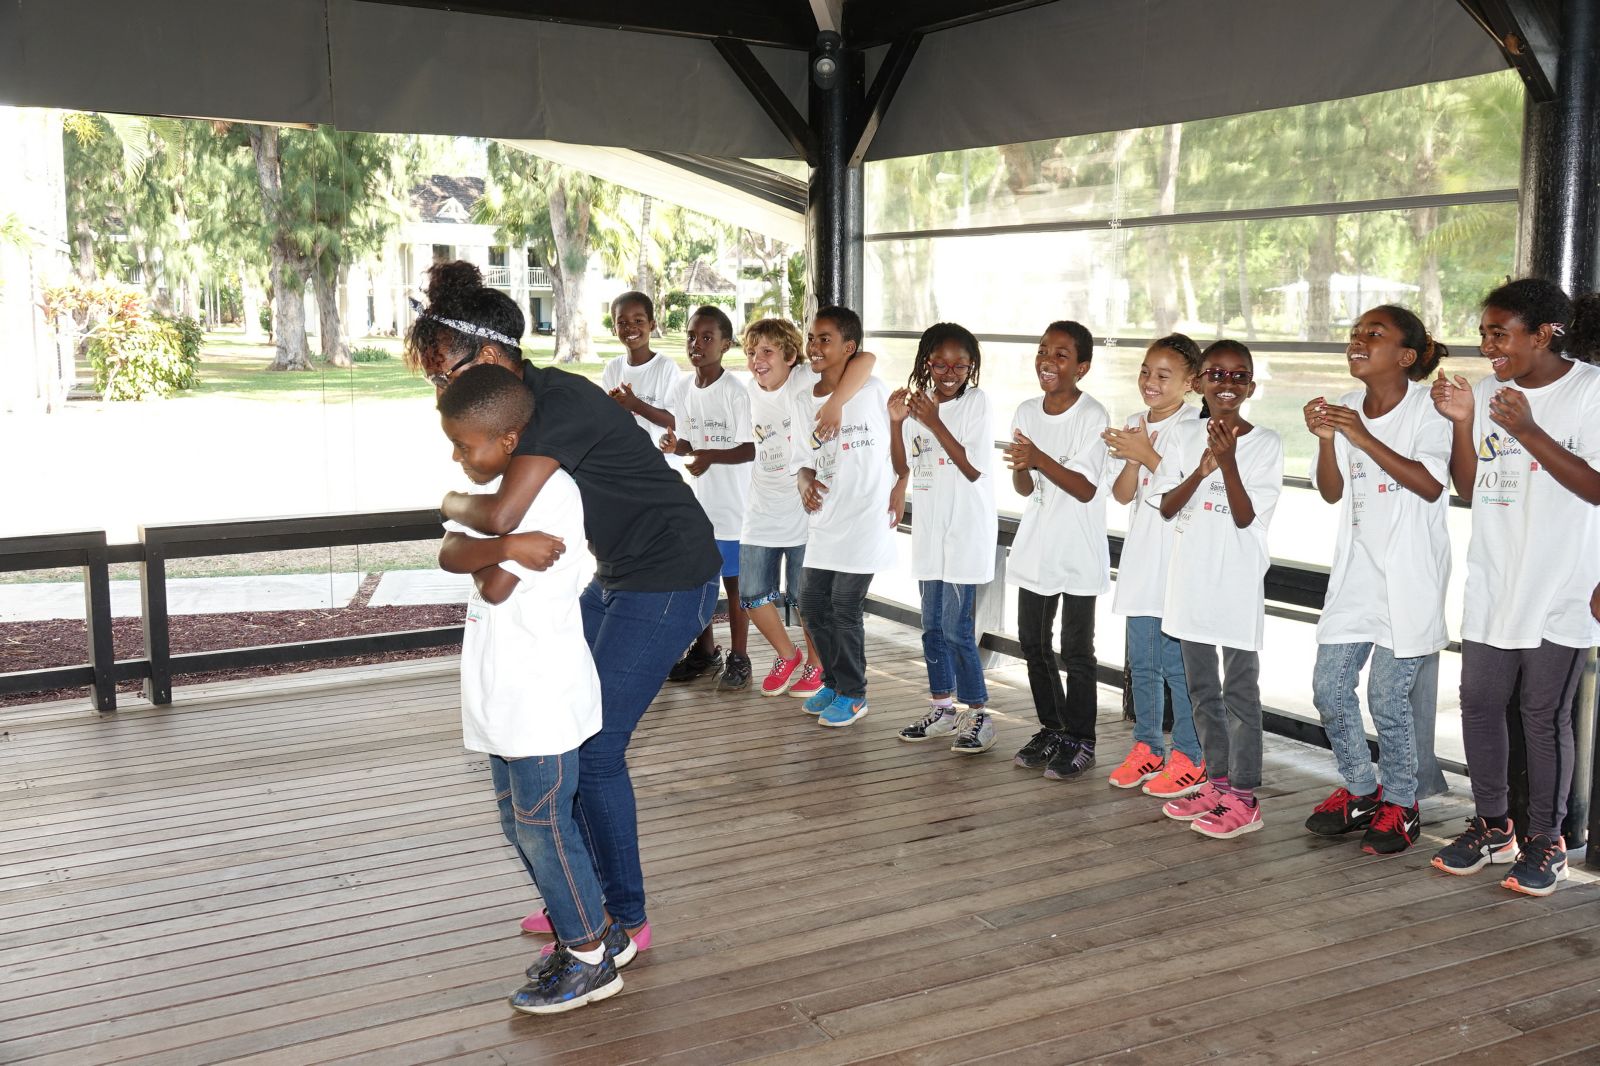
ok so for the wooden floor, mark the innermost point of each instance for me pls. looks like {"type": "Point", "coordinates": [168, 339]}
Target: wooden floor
{"type": "Point", "coordinates": [310, 871]}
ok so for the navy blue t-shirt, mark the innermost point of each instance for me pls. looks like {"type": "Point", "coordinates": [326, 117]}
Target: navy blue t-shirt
{"type": "Point", "coordinates": [646, 529]}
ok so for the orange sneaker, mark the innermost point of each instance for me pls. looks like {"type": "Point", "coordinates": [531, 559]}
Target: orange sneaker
{"type": "Point", "coordinates": [1179, 778]}
{"type": "Point", "coordinates": [1140, 765]}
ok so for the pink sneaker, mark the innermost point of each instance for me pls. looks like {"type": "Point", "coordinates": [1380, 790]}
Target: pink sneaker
{"type": "Point", "coordinates": [1188, 808]}
{"type": "Point", "coordinates": [782, 674]}
{"type": "Point", "coordinates": [809, 684]}
{"type": "Point", "coordinates": [1231, 817]}
{"type": "Point", "coordinates": [539, 922]}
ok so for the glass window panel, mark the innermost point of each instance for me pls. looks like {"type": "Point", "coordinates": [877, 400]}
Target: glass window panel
{"type": "Point", "coordinates": [1446, 137]}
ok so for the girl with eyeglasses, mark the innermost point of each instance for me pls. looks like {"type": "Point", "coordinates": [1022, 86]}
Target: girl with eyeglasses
{"type": "Point", "coordinates": [941, 438]}
{"type": "Point", "coordinates": [1217, 483]}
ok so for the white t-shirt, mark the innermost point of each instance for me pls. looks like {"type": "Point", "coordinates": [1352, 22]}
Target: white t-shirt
{"type": "Point", "coordinates": [718, 416]}
{"type": "Point", "coordinates": [1215, 589]}
{"type": "Point", "coordinates": [1391, 562]}
{"type": "Point", "coordinates": [851, 532]}
{"type": "Point", "coordinates": [1061, 543]}
{"type": "Point", "coordinates": [773, 516]}
{"type": "Point", "coordinates": [528, 684]}
{"type": "Point", "coordinates": [1142, 572]}
{"type": "Point", "coordinates": [1534, 557]}
{"type": "Point", "coordinates": [656, 382]}
{"type": "Point", "coordinates": [954, 525]}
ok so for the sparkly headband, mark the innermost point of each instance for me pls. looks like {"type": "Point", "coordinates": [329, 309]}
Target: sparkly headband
{"type": "Point", "coordinates": [469, 328]}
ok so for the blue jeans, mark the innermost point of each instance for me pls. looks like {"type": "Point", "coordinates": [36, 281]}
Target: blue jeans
{"type": "Point", "coordinates": [768, 575]}
{"type": "Point", "coordinates": [1424, 711]}
{"type": "Point", "coordinates": [1155, 661]}
{"type": "Point", "coordinates": [950, 643]}
{"type": "Point", "coordinates": [635, 638]}
{"type": "Point", "coordinates": [832, 603]}
{"type": "Point", "coordinates": [1389, 687]}
{"type": "Point", "coordinates": [536, 797]}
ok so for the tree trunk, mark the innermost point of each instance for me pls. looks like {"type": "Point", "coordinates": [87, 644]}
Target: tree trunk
{"type": "Point", "coordinates": [83, 246]}
{"type": "Point", "coordinates": [641, 271]}
{"type": "Point", "coordinates": [1244, 283]}
{"type": "Point", "coordinates": [1191, 302]}
{"type": "Point", "coordinates": [1319, 271]}
{"type": "Point", "coordinates": [1162, 278]}
{"type": "Point", "coordinates": [329, 324]}
{"type": "Point", "coordinates": [569, 268]}
{"type": "Point", "coordinates": [288, 301]}
{"type": "Point", "coordinates": [250, 295]}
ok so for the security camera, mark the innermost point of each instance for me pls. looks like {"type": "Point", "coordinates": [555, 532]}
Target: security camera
{"type": "Point", "coordinates": [825, 61]}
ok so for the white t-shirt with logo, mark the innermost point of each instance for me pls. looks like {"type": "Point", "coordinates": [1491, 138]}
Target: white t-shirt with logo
{"type": "Point", "coordinates": [718, 416]}
{"type": "Point", "coordinates": [851, 532]}
{"type": "Point", "coordinates": [1147, 549]}
{"type": "Point", "coordinates": [656, 382]}
{"type": "Point", "coordinates": [773, 516]}
{"type": "Point", "coordinates": [1534, 557]}
{"type": "Point", "coordinates": [1060, 545]}
{"type": "Point", "coordinates": [1391, 562]}
{"type": "Point", "coordinates": [528, 683]}
{"type": "Point", "coordinates": [1215, 578]}
{"type": "Point", "coordinates": [954, 525]}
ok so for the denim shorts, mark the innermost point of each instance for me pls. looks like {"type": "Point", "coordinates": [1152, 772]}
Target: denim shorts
{"type": "Point", "coordinates": [730, 557]}
{"type": "Point", "coordinates": [758, 574]}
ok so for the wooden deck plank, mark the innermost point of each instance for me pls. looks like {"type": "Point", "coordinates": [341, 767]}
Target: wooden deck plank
{"type": "Point", "coordinates": [311, 872]}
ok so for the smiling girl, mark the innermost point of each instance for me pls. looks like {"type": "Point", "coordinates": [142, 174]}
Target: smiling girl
{"type": "Point", "coordinates": [941, 438]}
{"type": "Point", "coordinates": [1383, 455]}
{"type": "Point", "coordinates": [1218, 483]}
{"type": "Point", "coordinates": [1155, 661]}
{"type": "Point", "coordinates": [1525, 449]}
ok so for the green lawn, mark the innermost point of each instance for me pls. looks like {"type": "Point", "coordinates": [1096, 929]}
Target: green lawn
{"type": "Point", "coordinates": [230, 367]}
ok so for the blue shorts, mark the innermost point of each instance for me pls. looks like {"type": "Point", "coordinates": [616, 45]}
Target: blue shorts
{"type": "Point", "coordinates": [760, 583]}
{"type": "Point", "coordinates": [730, 557]}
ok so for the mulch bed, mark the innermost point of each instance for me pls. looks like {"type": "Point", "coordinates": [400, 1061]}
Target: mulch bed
{"type": "Point", "coordinates": [63, 642]}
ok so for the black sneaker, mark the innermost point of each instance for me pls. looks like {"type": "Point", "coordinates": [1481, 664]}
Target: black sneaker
{"type": "Point", "coordinates": [564, 983]}
{"type": "Point", "coordinates": [1071, 760]}
{"type": "Point", "coordinates": [1541, 864]}
{"type": "Point", "coordinates": [735, 671]}
{"type": "Point", "coordinates": [1393, 829]}
{"type": "Point", "coordinates": [1036, 753]}
{"type": "Point", "coordinates": [619, 946]}
{"type": "Point", "coordinates": [1480, 845]}
{"type": "Point", "coordinates": [1343, 813]}
{"type": "Point", "coordinates": [696, 663]}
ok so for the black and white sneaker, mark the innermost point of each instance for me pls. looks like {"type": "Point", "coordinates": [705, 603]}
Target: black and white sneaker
{"type": "Point", "coordinates": [619, 946]}
{"type": "Point", "coordinates": [1071, 760]}
{"type": "Point", "coordinates": [1479, 846]}
{"type": "Point", "coordinates": [696, 663]}
{"type": "Point", "coordinates": [1343, 813]}
{"type": "Point", "coordinates": [735, 671]}
{"type": "Point", "coordinates": [975, 734]}
{"type": "Point", "coordinates": [1037, 752]}
{"type": "Point", "coordinates": [1541, 865]}
{"type": "Point", "coordinates": [1394, 829]}
{"type": "Point", "coordinates": [566, 983]}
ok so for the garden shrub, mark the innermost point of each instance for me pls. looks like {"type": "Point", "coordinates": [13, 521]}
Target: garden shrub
{"type": "Point", "coordinates": [136, 355]}
{"type": "Point", "coordinates": [370, 355]}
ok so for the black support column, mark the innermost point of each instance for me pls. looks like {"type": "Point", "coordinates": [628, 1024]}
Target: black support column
{"type": "Point", "coordinates": [835, 216]}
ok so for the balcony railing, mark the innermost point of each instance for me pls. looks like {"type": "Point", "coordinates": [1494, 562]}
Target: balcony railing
{"type": "Point", "coordinates": [498, 277]}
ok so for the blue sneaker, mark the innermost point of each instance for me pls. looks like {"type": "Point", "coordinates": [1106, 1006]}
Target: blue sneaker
{"type": "Point", "coordinates": [842, 711]}
{"type": "Point", "coordinates": [564, 984]}
{"type": "Point", "coordinates": [821, 701]}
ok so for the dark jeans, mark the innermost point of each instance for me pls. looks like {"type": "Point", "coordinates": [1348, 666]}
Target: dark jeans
{"type": "Point", "coordinates": [831, 603]}
{"type": "Point", "coordinates": [1550, 676]}
{"type": "Point", "coordinates": [1227, 710]}
{"type": "Point", "coordinates": [1069, 710]}
{"type": "Point", "coordinates": [536, 797]}
{"type": "Point", "coordinates": [635, 638]}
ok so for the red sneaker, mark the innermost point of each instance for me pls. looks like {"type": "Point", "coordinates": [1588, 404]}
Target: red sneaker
{"type": "Point", "coordinates": [810, 683]}
{"type": "Point", "coordinates": [783, 674]}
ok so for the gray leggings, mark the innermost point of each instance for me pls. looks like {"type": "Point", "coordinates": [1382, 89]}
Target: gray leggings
{"type": "Point", "coordinates": [1550, 676]}
{"type": "Point", "coordinates": [1227, 711]}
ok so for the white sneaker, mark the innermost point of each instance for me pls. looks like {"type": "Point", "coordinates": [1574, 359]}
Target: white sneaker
{"type": "Point", "coordinates": [975, 734]}
{"type": "Point", "coordinates": [939, 722]}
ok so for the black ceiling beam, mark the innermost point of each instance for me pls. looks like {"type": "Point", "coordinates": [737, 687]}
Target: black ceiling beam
{"type": "Point", "coordinates": [774, 23]}
{"type": "Point", "coordinates": [1526, 32]}
{"type": "Point", "coordinates": [773, 100]}
{"type": "Point", "coordinates": [884, 85]}
{"type": "Point", "coordinates": [873, 22]}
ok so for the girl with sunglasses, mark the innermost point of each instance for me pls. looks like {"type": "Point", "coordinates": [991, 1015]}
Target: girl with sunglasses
{"type": "Point", "coordinates": [1217, 483]}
